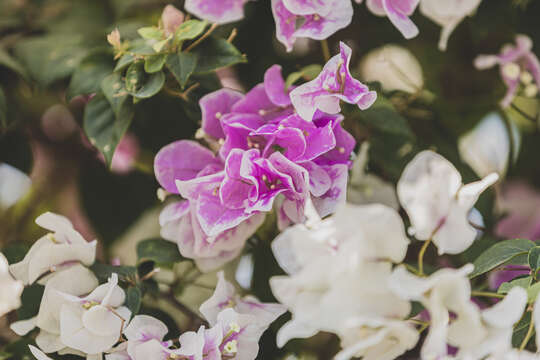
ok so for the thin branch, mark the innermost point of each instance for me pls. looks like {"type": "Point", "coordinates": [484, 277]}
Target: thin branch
{"type": "Point", "coordinates": [202, 38]}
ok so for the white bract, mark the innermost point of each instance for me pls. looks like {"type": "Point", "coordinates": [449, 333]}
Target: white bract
{"type": "Point", "coordinates": [438, 204]}
{"type": "Point", "coordinates": [11, 290]}
{"type": "Point", "coordinates": [487, 147]}
{"type": "Point", "coordinates": [445, 291]}
{"type": "Point", "coordinates": [337, 271]}
{"type": "Point", "coordinates": [140, 331]}
{"type": "Point", "coordinates": [14, 184]}
{"type": "Point", "coordinates": [395, 67]}
{"type": "Point", "coordinates": [93, 324]}
{"type": "Point", "coordinates": [448, 14]}
{"type": "Point", "coordinates": [63, 246]}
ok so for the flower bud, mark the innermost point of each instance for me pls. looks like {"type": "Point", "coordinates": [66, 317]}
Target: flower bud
{"type": "Point", "coordinates": [171, 19]}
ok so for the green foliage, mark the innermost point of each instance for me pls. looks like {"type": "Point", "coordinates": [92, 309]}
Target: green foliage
{"type": "Point", "coordinates": [134, 299]}
{"type": "Point", "coordinates": [523, 282]}
{"type": "Point", "coordinates": [141, 85]}
{"type": "Point", "coordinates": [216, 53]}
{"type": "Point", "coordinates": [159, 251]}
{"type": "Point", "coordinates": [307, 73]}
{"type": "Point", "coordinates": [501, 253]}
{"type": "Point", "coordinates": [150, 33]}
{"type": "Point", "coordinates": [30, 301]}
{"type": "Point", "coordinates": [3, 111]}
{"type": "Point", "coordinates": [534, 260]}
{"type": "Point", "coordinates": [8, 61]}
{"type": "Point", "coordinates": [88, 75]}
{"type": "Point", "coordinates": [182, 65]}
{"type": "Point", "coordinates": [189, 30]}
{"type": "Point", "coordinates": [104, 271]}
{"type": "Point", "coordinates": [154, 63]}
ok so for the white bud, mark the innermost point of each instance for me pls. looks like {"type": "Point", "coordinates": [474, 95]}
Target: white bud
{"type": "Point", "coordinates": [531, 90]}
{"type": "Point", "coordinates": [526, 77]}
{"type": "Point", "coordinates": [511, 70]}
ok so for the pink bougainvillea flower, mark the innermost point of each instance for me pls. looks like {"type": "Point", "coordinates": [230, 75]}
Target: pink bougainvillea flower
{"type": "Point", "coordinates": [171, 18]}
{"type": "Point", "coordinates": [519, 67]}
{"type": "Point", "coordinates": [214, 106]}
{"type": "Point", "coordinates": [398, 12]}
{"type": "Point", "coordinates": [333, 84]}
{"type": "Point", "coordinates": [319, 19]}
{"type": "Point", "coordinates": [217, 11]}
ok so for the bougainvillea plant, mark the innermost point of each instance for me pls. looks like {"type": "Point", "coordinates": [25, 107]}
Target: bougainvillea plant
{"type": "Point", "coordinates": [269, 179]}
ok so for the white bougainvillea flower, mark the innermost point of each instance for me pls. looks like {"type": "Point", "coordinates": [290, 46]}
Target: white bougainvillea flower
{"type": "Point", "coordinates": [367, 188]}
{"type": "Point", "coordinates": [337, 271]}
{"type": "Point", "coordinates": [14, 184]}
{"type": "Point", "coordinates": [448, 14]}
{"type": "Point", "coordinates": [498, 323]}
{"type": "Point", "coordinates": [76, 280]}
{"type": "Point", "coordinates": [225, 296]}
{"type": "Point", "coordinates": [38, 354]}
{"type": "Point", "coordinates": [93, 324]}
{"type": "Point", "coordinates": [63, 246]}
{"type": "Point", "coordinates": [445, 291]}
{"type": "Point", "coordinates": [142, 329]}
{"type": "Point", "coordinates": [431, 192]}
{"type": "Point", "coordinates": [377, 339]}
{"type": "Point", "coordinates": [10, 296]}
{"type": "Point", "coordinates": [395, 67]}
{"type": "Point", "coordinates": [486, 148]}
{"type": "Point", "coordinates": [398, 12]}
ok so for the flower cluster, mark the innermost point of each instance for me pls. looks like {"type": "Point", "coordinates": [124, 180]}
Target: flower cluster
{"type": "Point", "coordinates": [276, 146]}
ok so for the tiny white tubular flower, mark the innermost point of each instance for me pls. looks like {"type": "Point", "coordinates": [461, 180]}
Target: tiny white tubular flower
{"type": "Point", "coordinates": [364, 188]}
{"type": "Point", "coordinates": [445, 291]}
{"type": "Point", "coordinates": [10, 295]}
{"type": "Point", "coordinates": [14, 184]}
{"type": "Point", "coordinates": [141, 329]}
{"type": "Point", "coordinates": [448, 14]}
{"type": "Point", "coordinates": [93, 324]}
{"type": "Point", "coordinates": [63, 246]}
{"type": "Point", "coordinates": [486, 148]}
{"type": "Point", "coordinates": [438, 203]}
{"type": "Point", "coordinates": [498, 324]}
{"type": "Point", "coordinates": [225, 296]}
{"type": "Point", "coordinates": [395, 67]}
{"type": "Point", "coordinates": [337, 271]}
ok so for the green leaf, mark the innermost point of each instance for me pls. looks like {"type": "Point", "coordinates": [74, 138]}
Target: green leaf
{"type": "Point", "coordinates": [190, 30]}
{"type": "Point", "coordinates": [523, 282]}
{"type": "Point", "coordinates": [51, 58]}
{"type": "Point", "coordinates": [520, 329]}
{"type": "Point", "coordinates": [154, 63]}
{"type": "Point", "coordinates": [499, 254]}
{"type": "Point", "coordinates": [8, 61]}
{"type": "Point", "coordinates": [142, 85]}
{"type": "Point", "coordinates": [3, 110]}
{"type": "Point", "coordinates": [158, 250]}
{"type": "Point", "coordinates": [158, 46]}
{"type": "Point", "coordinates": [88, 75]}
{"type": "Point", "coordinates": [182, 66]}
{"type": "Point", "coordinates": [30, 300]}
{"type": "Point", "coordinates": [532, 292]}
{"type": "Point", "coordinates": [534, 260]}
{"type": "Point", "coordinates": [105, 125]}
{"type": "Point", "coordinates": [216, 53]}
{"type": "Point", "coordinates": [124, 62]}
{"type": "Point", "coordinates": [134, 300]}
{"type": "Point", "coordinates": [150, 33]}
{"type": "Point", "coordinates": [308, 73]}
{"type": "Point", "coordinates": [104, 271]}
{"type": "Point", "coordinates": [383, 117]}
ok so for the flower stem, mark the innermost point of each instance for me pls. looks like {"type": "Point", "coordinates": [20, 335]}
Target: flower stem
{"type": "Point", "coordinates": [528, 336]}
{"type": "Point", "coordinates": [325, 50]}
{"type": "Point", "coordinates": [487, 294]}
{"type": "Point", "coordinates": [421, 257]}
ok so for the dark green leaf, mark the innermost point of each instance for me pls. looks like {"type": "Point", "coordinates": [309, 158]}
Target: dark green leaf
{"type": "Point", "coordinates": [51, 58]}
{"type": "Point", "coordinates": [523, 282]}
{"type": "Point", "coordinates": [190, 30]}
{"type": "Point", "coordinates": [105, 125]}
{"type": "Point", "coordinates": [158, 250]}
{"type": "Point", "coordinates": [384, 118]}
{"type": "Point", "coordinates": [134, 300]}
{"type": "Point", "coordinates": [8, 61]}
{"type": "Point", "coordinates": [154, 63]}
{"type": "Point", "coordinates": [216, 53]}
{"type": "Point", "coordinates": [520, 330]}
{"type": "Point", "coordinates": [30, 300]}
{"type": "Point", "coordinates": [104, 272]}
{"type": "Point", "coordinates": [3, 110]}
{"type": "Point", "coordinates": [499, 254]}
{"type": "Point", "coordinates": [308, 73]}
{"type": "Point", "coordinates": [142, 85]}
{"type": "Point", "coordinates": [15, 252]}
{"type": "Point", "coordinates": [124, 62]}
{"type": "Point", "coordinates": [182, 66]}
{"type": "Point", "coordinates": [88, 75]}
{"type": "Point", "coordinates": [534, 260]}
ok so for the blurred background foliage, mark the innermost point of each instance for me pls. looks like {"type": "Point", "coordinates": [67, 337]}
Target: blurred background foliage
{"type": "Point", "coordinates": [46, 44]}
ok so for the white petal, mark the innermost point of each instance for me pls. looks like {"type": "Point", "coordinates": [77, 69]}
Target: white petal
{"type": "Point", "coordinates": [23, 327]}
{"type": "Point", "coordinates": [294, 330]}
{"type": "Point", "coordinates": [49, 342]}
{"type": "Point", "coordinates": [144, 326]}
{"type": "Point", "coordinates": [14, 184]}
{"type": "Point", "coordinates": [507, 312]}
{"type": "Point", "coordinates": [101, 321]}
{"type": "Point", "coordinates": [223, 294]}
{"type": "Point", "coordinates": [38, 353]}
